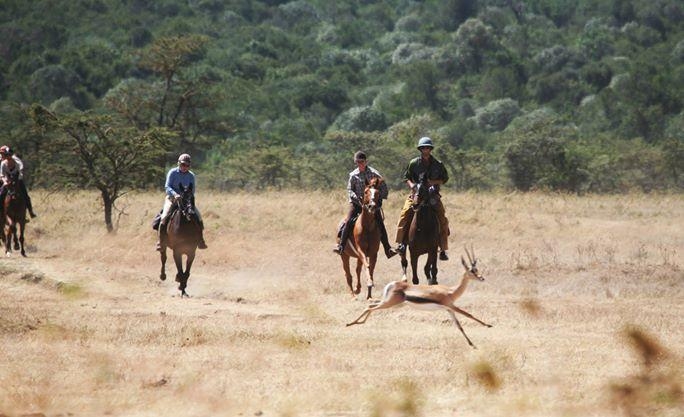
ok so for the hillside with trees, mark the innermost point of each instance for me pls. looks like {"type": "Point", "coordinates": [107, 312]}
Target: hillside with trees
{"type": "Point", "coordinates": [577, 96]}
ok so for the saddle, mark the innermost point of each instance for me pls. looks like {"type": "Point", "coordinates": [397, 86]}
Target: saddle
{"type": "Point", "coordinates": [352, 222]}
{"type": "Point", "coordinates": [156, 222]}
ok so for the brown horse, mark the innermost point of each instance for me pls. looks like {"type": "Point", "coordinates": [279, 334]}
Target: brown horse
{"type": "Point", "coordinates": [365, 241]}
{"type": "Point", "coordinates": [14, 206]}
{"type": "Point", "coordinates": [423, 235]}
{"type": "Point", "coordinates": [183, 235]}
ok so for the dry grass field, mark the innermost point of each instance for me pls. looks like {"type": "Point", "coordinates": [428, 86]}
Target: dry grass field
{"type": "Point", "coordinates": [586, 295]}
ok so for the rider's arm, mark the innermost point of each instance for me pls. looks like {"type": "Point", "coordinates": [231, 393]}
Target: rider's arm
{"type": "Point", "coordinates": [351, 187]}
{"type": "Point", "coordinates": [408, 175]}
{"type": "Point", "coordinates": [170, 178]}
{"type": "Point", "coordinates": [4, 172]}
{"type": "Point", "coordinates": [19, 167]}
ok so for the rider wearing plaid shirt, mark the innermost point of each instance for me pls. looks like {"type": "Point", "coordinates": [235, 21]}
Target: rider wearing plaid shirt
{"type": "Point", "coordinates": [356, 186]}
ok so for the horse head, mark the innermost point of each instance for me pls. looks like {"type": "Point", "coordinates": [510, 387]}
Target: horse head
{"type": "Point", "coordinates": [185, 205]}
{"type": "Point", "coordinates": [371, 195]}
{"type": "Point", "coordinates": [422, 193]}
{"type": "Point", "coordinates": [12, 184]}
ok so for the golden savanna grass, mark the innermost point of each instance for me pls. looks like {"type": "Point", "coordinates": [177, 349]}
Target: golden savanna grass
{"type": "Point", "coordinates": [586, 295]}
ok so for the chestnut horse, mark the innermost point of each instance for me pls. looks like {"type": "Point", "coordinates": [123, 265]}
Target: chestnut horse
{"type": "Point", "coordinates": [363, 244]}
{"type": "Point", "coordinates": [14, 217]}
{"type": "Point", "coordinates": [423, 235]}
{"type": "Point", "coordinates": [183, 233]}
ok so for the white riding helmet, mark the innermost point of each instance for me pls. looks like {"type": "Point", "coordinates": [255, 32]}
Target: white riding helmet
{"type": "Point", "coordinates": [184, 159]}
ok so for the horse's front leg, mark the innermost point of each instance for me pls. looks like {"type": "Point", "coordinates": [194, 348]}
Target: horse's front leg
{"type": "Point", "coordinates": [414, 268]}
{"type": "Point", "coordinates": [22, 226]}
{"type": "Point", "coordinates": [404, 266]}
{"type": "Point", "coordinates": [180, 275]}
{"type": "Point", "coordinates": [371, 269]}
{"type": "Point", "coordinates": [359, 267]}
{"type": "Point", "coordinates": [8, 242]}
{"type": "Point", "coordinates": [188, 265]}
{"type": "Point", "coordinates": [431, 267]}
{"type": "Point", "coordinates": [162, 252]}
{"type": "Point", "coordinates": [15, 236]}
{"type": "Point", "coordinates": [347, 272]}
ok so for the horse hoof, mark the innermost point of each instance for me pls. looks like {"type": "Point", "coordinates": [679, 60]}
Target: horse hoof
{"type": "Point", "coordinates": [162, 277]}
{"type": "Point", "coordinates": [415, 281]}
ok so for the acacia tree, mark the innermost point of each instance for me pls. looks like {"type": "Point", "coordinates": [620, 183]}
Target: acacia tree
{"type": "Point", "coordinates": [111, 157]}
{"type": "Point", "coordinates": [177, 100]}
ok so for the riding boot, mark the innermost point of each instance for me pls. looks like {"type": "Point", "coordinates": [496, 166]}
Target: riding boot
{"type": "Point", "coordinates": [29, 206]}
{"type": "Point", "coordinates": [389, 252]}
{"type": "Point", "coordinates": [202, 244]}
{"type": "Point", "coordinates": [344, 235]}
{"type": "Point", "coordinates": [24, 192]}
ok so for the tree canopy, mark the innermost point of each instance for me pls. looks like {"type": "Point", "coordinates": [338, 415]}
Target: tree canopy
{"type": "Point", "coordinates": [580, 95]}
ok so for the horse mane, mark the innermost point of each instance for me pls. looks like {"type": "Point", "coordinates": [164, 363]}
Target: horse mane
{"type": "Point", "coordinates": [375, 182]}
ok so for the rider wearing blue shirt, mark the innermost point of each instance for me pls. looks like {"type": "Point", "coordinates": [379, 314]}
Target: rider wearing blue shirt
{"type": "Point", "coordinates": [176, 180]}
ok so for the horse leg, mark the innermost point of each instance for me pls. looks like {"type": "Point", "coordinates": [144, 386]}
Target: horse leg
{"type": "Point", "coordinates": [359, 266]}
{"type": "Point", "coordinates": [181, 279]}
{"type": "Point", "coordinates": [434, 268]}
{"type": "Point", "coordinates": [186, 275]}
{"type": "Point", "coordinates": [371, 269]}
{"type": "Point", "coordinates": [414, 267]}
{"type": "Point", "coordinates": [404, 266]}
{"type": "Point", "coordinates": [178, 260]}
{"type": "Point", "coordinates": [347, 272]}
{"type": "Point", "coordinates": [8, 241]}
{"type": "Point", "coordinates": [162, 252]}
{"type": "Point", "coordinates": [22, 226]}
{"type": "Point", "coordinates": [16, 238]}
{"type": "Point", "coordinates": [431, 267]}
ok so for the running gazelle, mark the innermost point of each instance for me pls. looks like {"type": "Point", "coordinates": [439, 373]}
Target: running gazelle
{"type": "Point", "coordinates": [428, 297]}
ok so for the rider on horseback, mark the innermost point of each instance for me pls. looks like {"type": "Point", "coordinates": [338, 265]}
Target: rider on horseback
{"type": "Point", "coordinates": [355, 188]}
{"type": "Point", "coordinates": [437, 175]}
{"type": "Point", "coordinates": [12, 167]}
{"type": "Point", "coordinates": [176, 179]}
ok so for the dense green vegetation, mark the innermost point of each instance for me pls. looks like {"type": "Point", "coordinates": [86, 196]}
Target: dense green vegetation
{"type": "Point", "coordinates": [582, 95]}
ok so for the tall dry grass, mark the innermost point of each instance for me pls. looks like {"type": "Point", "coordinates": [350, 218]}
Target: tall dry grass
{"type": "Point", "coordinates": [575, 288]}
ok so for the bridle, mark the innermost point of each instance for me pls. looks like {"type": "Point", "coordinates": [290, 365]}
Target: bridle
{"type": "Point", "coordinates": [372, 193]}
{"type": "Point", "coordinates": [184, 205]}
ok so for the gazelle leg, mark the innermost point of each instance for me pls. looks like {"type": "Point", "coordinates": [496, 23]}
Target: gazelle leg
{"type": "Point", "coordinates": [453, 316]}
{"type": "Point", "coordinates": [363, 315]}
{"type": "Point", "coordinates": [465, 313]}
{"type": "Point", "coordinates": [391, 297]}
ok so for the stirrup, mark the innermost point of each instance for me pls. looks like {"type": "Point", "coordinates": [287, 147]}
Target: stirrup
{"type": "Point", "coordinates": [338, 249]}
{"type": "Point", "coordinates": [401, 248]}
